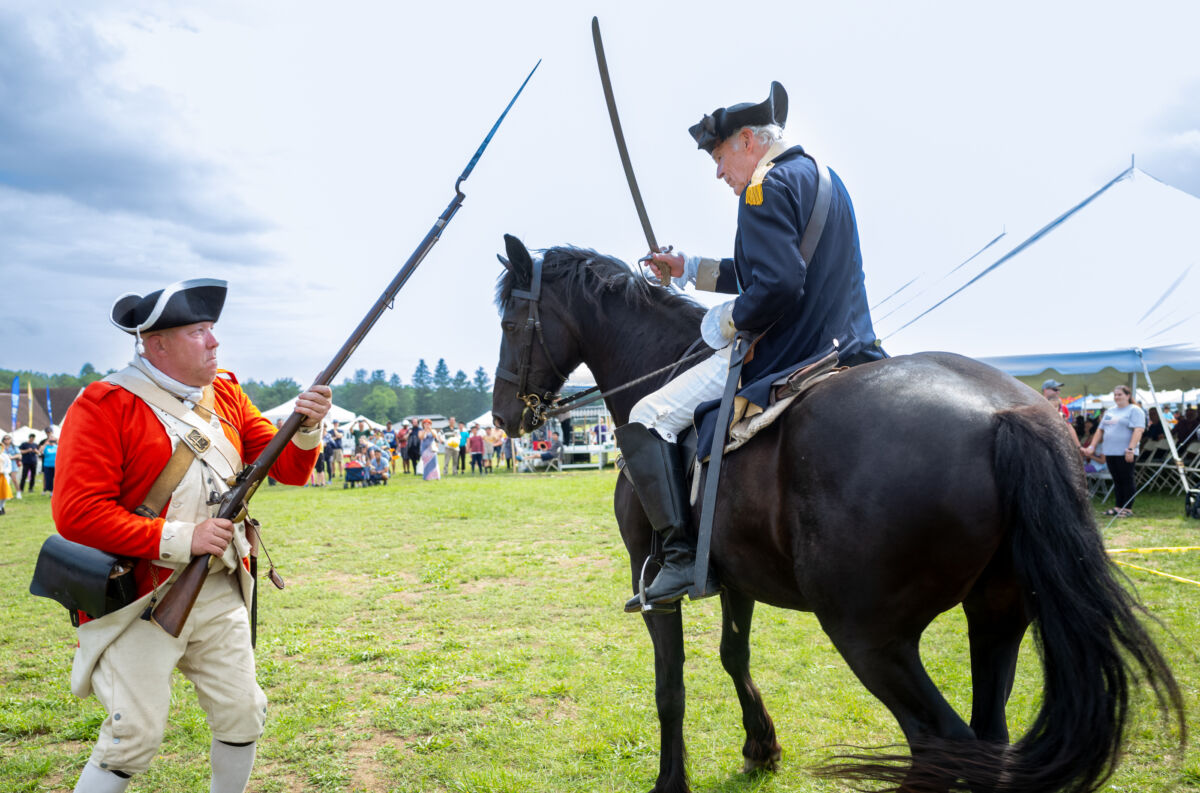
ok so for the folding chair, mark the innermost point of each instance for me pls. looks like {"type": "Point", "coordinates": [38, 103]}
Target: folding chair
{"type": "Point", "coordinates": [1100, 484]}
{"type": "Point", "coordinates": [555, 463]}
{"type": "Point", "coordinates": [1149, 461]}
{"type": "Point", "coordinates": [1190, 457]}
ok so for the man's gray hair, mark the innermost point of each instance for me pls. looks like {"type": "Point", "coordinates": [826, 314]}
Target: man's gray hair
{"type": "Point", "coordinates": [766, 134]}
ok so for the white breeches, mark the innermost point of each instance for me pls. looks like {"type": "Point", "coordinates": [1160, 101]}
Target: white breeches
{"type": "Point", "coordinates": [132, 679]}
{"type": "Point", "coordinates": [669, 410]}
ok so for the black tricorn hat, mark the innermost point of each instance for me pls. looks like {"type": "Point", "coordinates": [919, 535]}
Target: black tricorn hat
{"type": "Point", "coordinates": [182, 303]}
{"type": "Point", "coordinates": [725, 121]}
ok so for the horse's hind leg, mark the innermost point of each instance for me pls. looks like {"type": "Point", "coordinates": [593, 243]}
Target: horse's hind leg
{"type": "Point", "coordinates": [889, 665]}
{"type": "Point", "coordinates": [666, 632]}
{"type": "Point", "coordinates": [761, 750]}
{"type": "Point", "coordinates": [996, 623]}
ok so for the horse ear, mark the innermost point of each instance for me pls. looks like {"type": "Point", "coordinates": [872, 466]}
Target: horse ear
{"type": "Point", "coordinates": [503, 261]}
{"type": "Point", "coordinates": [520, 263]}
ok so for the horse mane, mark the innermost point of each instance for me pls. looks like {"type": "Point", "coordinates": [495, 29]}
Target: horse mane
{"type": "Point", "coordinates": [590, 274]}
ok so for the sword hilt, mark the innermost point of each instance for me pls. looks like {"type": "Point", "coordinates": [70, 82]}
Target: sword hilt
{"type": "Point", "coordinates": [663, 276]}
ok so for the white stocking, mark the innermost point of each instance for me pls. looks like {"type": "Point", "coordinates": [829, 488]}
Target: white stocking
{"type": "Point", "coordinates": [231, 766]}
{"type": "Point", "coordinates": [95, 779]}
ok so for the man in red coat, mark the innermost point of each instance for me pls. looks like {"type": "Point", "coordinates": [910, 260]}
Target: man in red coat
{"type": "Point", "coordinates": [116, 440]}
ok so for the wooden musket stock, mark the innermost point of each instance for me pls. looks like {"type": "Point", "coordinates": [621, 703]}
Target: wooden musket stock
{"type": "Point", "coordinates": [176, 604]}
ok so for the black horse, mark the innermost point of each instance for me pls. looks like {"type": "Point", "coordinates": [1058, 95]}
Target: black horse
{"type": "Point", "coordinates": [928, 480]}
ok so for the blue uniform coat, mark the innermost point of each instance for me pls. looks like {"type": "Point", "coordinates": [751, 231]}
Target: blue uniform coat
{"type": "Point", "coordinates": [799, 308]}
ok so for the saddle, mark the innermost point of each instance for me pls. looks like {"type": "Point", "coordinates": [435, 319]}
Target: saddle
{"type": "Point", "coordinates": [750, 419]}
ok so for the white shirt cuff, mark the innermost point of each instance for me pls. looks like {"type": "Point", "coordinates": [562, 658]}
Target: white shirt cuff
{"type": "Point", "coordinates": [309, 438]}
{"type": "Point", "coordinates": [690, 265]}
{"type": "Point", "coordinates": [175, 544]}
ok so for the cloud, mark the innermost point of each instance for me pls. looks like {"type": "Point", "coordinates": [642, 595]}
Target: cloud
{"type": "Point", "coordinates": [1174, 153]}
{"type": "Point", "coordinates": [66, 130]}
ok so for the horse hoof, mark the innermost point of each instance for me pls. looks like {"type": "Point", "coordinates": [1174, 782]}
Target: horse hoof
{"type": "Point", "coordinates": [770, 763]}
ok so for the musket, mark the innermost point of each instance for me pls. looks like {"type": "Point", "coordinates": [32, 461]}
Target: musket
{"type": "Point", "coordinates": [176, 604]}
{"type": "Point", "coordinates": [623, 150]}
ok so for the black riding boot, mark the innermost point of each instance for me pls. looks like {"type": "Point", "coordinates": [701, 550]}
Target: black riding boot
{"type": "Point", "coordinates": [656, 471]}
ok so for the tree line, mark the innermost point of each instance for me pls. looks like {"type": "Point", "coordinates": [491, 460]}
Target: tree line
{"type": "Point", "coordinates": [383, 396]}
{"type": "Point", "coordinates": [378, 395]}
{"type": "Point", "coordinates": [87, 374]}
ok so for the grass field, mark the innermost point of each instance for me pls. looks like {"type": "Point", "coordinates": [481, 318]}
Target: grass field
{"type": "Point", "coordinates": [466, 635]}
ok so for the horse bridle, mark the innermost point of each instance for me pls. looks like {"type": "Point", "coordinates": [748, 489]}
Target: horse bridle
{"type": "Point", "coordinates": [536, 405]}
{"type": "Point", "coordinates": [542, 406]}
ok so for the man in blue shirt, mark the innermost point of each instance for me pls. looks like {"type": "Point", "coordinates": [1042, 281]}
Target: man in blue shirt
{"type": "Point", "coordinates": [29, 461]}
{"type": "Point", "coordinates": [796, 310]}
{"type": "Point", "coordinates": [378, 468]}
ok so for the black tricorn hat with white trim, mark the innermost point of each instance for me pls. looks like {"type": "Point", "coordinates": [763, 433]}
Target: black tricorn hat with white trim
{"type": "Point", "coordinates": [725, 121]}
{"type": "Point", "coordinates": [181, 303]}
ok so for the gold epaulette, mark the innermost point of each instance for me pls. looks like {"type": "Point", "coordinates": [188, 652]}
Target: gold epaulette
{"type": "Point", "coordinates": [754, 190]}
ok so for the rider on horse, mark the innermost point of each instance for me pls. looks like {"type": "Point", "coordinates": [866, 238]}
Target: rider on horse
{"type": "Point", "coordinates": [796, 310]}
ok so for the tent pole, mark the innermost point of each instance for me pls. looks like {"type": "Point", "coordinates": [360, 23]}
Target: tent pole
{"type": "Point", "coordinates": [1162, 417]}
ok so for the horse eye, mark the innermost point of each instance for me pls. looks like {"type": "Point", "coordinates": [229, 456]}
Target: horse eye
{"type": "Point", "coordinates": [509, 327]}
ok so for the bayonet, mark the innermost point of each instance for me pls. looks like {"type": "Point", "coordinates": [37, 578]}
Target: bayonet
{"type": "Point", "coordinates": [175, 606]}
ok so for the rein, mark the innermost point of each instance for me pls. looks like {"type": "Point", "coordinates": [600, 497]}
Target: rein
{"type": "Point", "coordinates": [561, 406]}
{"type": "Point", "coordinates": [544, 406]}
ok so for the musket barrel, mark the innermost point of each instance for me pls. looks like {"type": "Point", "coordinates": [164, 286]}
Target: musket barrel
{"type": "Point", "coordinates": [176, 604]}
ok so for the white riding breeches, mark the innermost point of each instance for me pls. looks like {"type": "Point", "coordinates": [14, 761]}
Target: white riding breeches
{"type": "Point", "coordinates": [669, 410]}
{"type": "Point", "coordinates": [132, 679]}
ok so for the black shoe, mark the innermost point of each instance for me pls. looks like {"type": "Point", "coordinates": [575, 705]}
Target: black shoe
{"type": "Point", "coordinates": [668, 587]}
{"type": "Point", "coordinates": [676, 579]}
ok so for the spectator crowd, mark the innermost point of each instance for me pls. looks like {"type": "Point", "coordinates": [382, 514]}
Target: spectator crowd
{"type": "Point", "coordinates": [366, 455]}
{"type": "Point", "coordinates": [20, 465]}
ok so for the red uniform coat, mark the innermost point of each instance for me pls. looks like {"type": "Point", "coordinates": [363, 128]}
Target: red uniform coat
{"type": "Point", "coordinates": [112, 449]}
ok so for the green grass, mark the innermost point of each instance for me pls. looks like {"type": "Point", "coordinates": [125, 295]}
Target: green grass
{"type": "Point", "coordinates": [466, 635]}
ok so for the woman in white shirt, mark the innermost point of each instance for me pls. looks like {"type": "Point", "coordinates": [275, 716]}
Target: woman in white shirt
{"type": "Point", "coordinates": [6, 467]}
{"type": "Point", "coordinates": [1118, 436]}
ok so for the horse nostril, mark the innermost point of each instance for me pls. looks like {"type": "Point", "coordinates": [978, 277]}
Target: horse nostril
{"type": "Point", "coordinates": [497, 422]}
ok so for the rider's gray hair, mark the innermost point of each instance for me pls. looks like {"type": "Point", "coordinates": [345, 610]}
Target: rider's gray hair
{"type": "Point", "coordinates": [766, 134]}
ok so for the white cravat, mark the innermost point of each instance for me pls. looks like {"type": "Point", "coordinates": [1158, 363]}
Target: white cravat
{"type": "Point", "coordinates": [190, 394]}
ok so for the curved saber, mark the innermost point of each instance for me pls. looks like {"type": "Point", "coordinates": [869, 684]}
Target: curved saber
{"type": "Point", "coordinates": [606, 82]}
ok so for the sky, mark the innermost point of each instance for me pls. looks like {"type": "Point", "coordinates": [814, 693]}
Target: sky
{"type": "Point", "coordinates": [302, 150]}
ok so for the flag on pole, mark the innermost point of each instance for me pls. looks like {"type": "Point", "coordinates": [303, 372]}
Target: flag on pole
{"type": "Point", "coordinates": [49, 409]}
{"type": "Point", "coordinates": [30, 387]}
{"type": "Point", "coordinates": [16, 399]}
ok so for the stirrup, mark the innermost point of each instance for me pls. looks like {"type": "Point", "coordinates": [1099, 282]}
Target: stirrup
{"type": "Point", "coordinates": [646, 606]}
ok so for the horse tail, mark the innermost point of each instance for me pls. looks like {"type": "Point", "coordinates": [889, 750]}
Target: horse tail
{"type": "Point", "coordinates": [1092, 644]}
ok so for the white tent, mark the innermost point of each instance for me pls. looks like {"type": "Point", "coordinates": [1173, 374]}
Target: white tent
{"type": "Point", "coordinates": [375, 425]}
{"type": "Point", "coordinates": [21, 434]}
{"type": "Point", "coordinates": [1115, 274]}
{"type": "Point", "coordinates": [341, 415]}
{"type": "Point", "coordinates": [484, 421]}
{"type": "Point", "coordinates": [1175, 398]}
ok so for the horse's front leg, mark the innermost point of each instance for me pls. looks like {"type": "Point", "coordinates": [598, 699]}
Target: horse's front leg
{"type": "Point", "coordinates": [761, 750]}
{"type": "Point", "coordinates": [666, 632]}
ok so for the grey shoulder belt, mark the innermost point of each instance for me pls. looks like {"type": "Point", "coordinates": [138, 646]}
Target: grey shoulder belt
{"type": "Point", "coordinates": [820, 213]}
